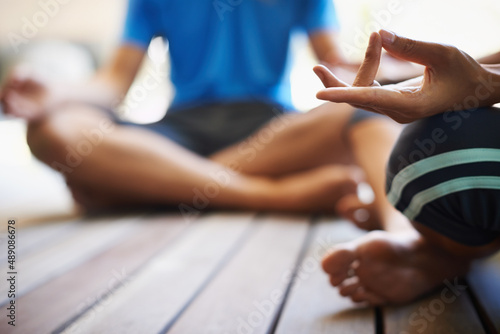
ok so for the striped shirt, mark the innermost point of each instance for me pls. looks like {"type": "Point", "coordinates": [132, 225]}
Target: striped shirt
{"type": "Point", "coordinates": [444, 173]}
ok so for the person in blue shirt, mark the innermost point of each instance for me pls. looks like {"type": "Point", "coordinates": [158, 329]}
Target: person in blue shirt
{"type": "Point", "coordinates": [234, 53]}
{"type": "Point", "coordinates": [230, 138]}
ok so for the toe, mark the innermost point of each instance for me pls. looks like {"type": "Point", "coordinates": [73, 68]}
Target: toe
{"type": "Point", "coordinates": [349, 286]}
{"type": "Point", "coordinates": [359, 295]}
{"type": "Point", "coordinates": [338, 263]}
{"type": "Point", "coordinates": [363, 295]}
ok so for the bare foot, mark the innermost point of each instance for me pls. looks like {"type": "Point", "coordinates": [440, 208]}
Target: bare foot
{"type": "Point", "coordinates": [390, 268]}
{"type": "Point", "coordinates": [316, 190]}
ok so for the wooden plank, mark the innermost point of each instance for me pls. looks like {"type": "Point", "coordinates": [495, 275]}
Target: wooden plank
{"type": "Point", "coordinates": [313, 305]}
{"type": "Point", "coordinates": [90, 239]}
{"type": "Point", "coordinates": [157, 294]}
{"type": "Point", "coordinates": [246, 295]}
{"type": "Point", "coordinates": [484, 280]}
{"type": "Point", "coordinates": [448, 310]}
{"type": "Point", "coordinates": [50, 306]}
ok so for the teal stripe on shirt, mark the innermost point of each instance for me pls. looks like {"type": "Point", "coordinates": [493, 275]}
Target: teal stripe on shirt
{"type": "Point", "coordinates": [464, 183]}
{"type": "Point", "coordinates": [443, 160]}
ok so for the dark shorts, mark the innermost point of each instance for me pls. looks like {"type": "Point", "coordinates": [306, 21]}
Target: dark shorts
{"type": "Point", "coordinates": [210, 128]}
{"type": "Point", "coordinates": [213, 127]}
{"type": "Point", "coordinates": [444, 173]}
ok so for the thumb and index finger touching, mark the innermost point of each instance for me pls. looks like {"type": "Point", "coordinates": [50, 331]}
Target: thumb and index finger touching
{"type": "Point", "coordinates": [424, 53]}
{"type": "Point", "coordinates": [366, 73]}
{"type": "Point", "coordinates": [364, 78]}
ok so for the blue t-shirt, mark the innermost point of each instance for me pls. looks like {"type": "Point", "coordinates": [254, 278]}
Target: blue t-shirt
{"type": "Point", "coordinates": [227, 50]}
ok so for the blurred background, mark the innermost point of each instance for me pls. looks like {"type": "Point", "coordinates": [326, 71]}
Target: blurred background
{"type": "Point", "coordinates": [70, 38]}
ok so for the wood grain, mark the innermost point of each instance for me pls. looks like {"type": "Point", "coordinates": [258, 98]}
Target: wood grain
{"type": "Point", "coordinates": [448, 310]}
{"type": "Point", "coordinates": [314, 306]}
{"type": "Point", "coordinates": [61, 255]}
{"type": "Point", "coordinates": [246, 295]}
{"type": "Point", "coordinates": [162, 289]}
{"type": "Point", "coordinates": [49, 307]}
{"type": "Point", "coordinates": [34, 238]}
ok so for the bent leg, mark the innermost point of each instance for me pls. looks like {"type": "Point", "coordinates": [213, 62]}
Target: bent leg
{"type": "Point", "coordinates": [330, 134]}
{"type": "Point", "coordinates": [292, 143]}
{"type": "Point", "coordinates": [437, 179]}
{"type": "Point", "coordinates": [138, 164]}
{"type": "Point", "coordinates": [133, 165]}
{"type": "Point", "coordinates": [371, 142]}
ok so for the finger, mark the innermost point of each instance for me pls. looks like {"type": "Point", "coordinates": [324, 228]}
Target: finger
{"type": "Point", "coordinates": [13, 82]}
{"type": "Point", "coordinates": [424, 53]}
{"type": "Point", "coordinates": [10, 105]}
{"type": "Point", "coordinates": [327, 77]}
{"type": "Point", "coordinates": [377, 97]}
{"type": "Point", "coordinates": [393, 103]}
{"type": "Point", "coordinates": [362, 96]}
{"type": "Point", "coordinates": [17, 79]}
{"type": "Point", "coordinates": [369, 67]}
{"type": "Point", "coordinates": [20, 107]}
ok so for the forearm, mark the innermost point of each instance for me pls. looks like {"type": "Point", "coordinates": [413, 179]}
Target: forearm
{"type": "Point", "coordinates": [493, 68]}
{"type": "Point", "coordinates": [99, 91]}
{"type": "Point", "coordinates": [325, 46]}
{"type": "Point", "coordinates": [491, 83]}
{"type": "Point", "coordinates": [110, 84]}
{"type": "Point", "coordinates": [490, 59]}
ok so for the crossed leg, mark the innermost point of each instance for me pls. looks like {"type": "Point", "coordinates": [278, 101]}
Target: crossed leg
{"type": "Point", "coordinates": [132, 166]}
{"type": "Point", "coordinates": [450, 229]}
{"type": "Point", "coordinates": [325, 136]}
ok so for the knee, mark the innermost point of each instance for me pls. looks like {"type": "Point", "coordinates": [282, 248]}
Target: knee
{"type": "Point", "coordinates": [444, 133]}
{"type": "Point", "coordinates": [45, 138]}
{"type": "Point", "coordinates": [447, 177]}
{"type": "Point", "coordinates": [66, 134]}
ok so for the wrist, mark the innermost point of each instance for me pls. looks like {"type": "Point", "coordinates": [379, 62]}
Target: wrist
{"type": "Point", "coordinates": [56, 96]}
{"type": "Point", "coordinates": [491, 83]}
{"type": "Point", "coordinates": [89, 93]}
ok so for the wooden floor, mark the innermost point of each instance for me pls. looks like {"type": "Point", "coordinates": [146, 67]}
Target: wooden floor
{"type": "Point", "coordinates": [215, 273]}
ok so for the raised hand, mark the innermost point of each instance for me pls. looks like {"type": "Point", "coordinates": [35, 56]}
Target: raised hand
{"type": "Point", "coordinates": [452, 81]}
